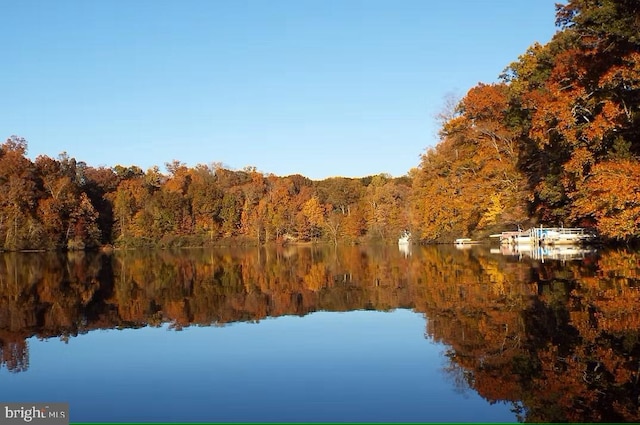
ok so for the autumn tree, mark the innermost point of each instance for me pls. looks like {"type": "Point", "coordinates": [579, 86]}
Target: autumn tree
{"type": "Point", "coordinates": [174, 197]}
{"type": "Point", "coordinates": [580, 93]}
{"type": "Point", "coordinates": [83, 231]}
{"type": "Point", "coordinates": [340, 192]}
{"type": "Point", "coordinates": [128, 200]}
{"type": "Point", "coordinates": [205, 198]}
{"type": "Point", "coordinates": [19, 228]}
{"type": "Point", "coordinates": [312, 217]}
{"type": "Point", "coordinates": [609, 198]}
{"type": "Point", "coordinates": [471, 181]}
{"type": "Point", "coordinates": [230, 212]}
{"type": "Point", "coordinates": [387, 207]}
{"type": "Point", "coordinates": [100, 186]}
{"type": "Point", "coordinates": [252, 216]}
{"type": "Point", "coordinates": [63, 204]}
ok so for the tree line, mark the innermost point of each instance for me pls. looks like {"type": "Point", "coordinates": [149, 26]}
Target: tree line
{"type": "Point", "coordinates": [556, 141]}
{"type": "Point", "coordinates": [65, 204]}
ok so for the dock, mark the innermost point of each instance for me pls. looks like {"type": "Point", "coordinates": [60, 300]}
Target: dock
{"type": "Point", "coordinates": [542, 236]}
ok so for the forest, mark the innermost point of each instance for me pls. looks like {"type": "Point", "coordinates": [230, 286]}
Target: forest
{"type": "Point", "coordinates": [554, 142]}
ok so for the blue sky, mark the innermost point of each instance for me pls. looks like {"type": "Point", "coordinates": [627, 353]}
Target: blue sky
{"type": "Point", "coordinates": [320, 88]}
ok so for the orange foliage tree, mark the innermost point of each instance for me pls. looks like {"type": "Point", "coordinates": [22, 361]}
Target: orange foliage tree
{"type": "Point", "coordinates": [610, 197]}
{"type": "Point", "coordinates": [470, 181]}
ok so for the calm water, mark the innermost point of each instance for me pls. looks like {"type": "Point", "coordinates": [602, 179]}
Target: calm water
{"type": "Point", "coordinates": [319, 334]}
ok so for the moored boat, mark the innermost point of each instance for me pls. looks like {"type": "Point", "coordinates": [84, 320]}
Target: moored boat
{"type": "Point", "coordinates": [465, 241]}
{"type": "Point", "coordinates": [405, 239]}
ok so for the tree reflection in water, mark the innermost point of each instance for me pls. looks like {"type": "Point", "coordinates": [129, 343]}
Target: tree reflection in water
{"type": "Point", "coordinates": [559, 340]}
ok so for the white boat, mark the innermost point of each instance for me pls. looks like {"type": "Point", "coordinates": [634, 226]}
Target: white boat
{"type": "Point", "coordinates": [405, 239]}
{"type": "Point", "coordinates": [465, 241]}
{"type": "Point", "coordinates": [404, 244]}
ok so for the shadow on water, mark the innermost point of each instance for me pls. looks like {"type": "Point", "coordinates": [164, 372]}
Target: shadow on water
{"type": "Point", "coordinates": [557, 339]}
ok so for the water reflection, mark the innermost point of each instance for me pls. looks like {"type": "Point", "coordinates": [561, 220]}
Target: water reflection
{"type": "Point", "coordinates": [559, 340]}
{"type": "Point", "coordinates": [546, 252]}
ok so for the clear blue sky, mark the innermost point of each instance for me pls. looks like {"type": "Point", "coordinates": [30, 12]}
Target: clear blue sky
{"type": "Point", "coordinates": [317, 87]}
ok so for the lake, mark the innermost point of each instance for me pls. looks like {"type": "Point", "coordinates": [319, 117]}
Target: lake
{"type": "Point", "coordinates": [324, 334]}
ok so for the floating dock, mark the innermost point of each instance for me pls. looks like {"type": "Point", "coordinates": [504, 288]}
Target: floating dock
{"type": "Point", "coordinates": [541, 236]}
